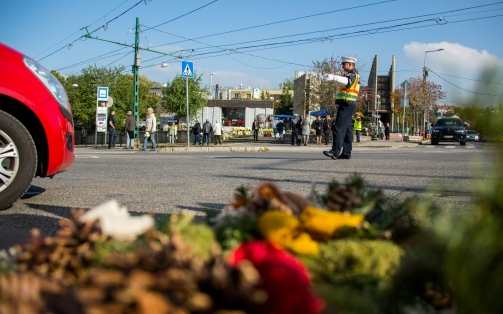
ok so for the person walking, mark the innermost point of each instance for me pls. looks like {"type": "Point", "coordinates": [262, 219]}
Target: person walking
{"type": "Point", "coordinates": [196, 129]}
{"type": "Point", "coordinates": [280, 126]}
{"type": "Point", "coordinates": [387, 131]}
{"type": "Point", "coordinates": [345, 98]}
{"type": "Point", "coordinates": [83, 136]}
{"type": "Point", "coordinates": [112, 136]}
{"type": "Point", "coordinates": [300, 126]}
{"type": "Point", "coordinates": [327, 130]}
{"type": "Point", "coordinates": [130, 127]}
{"type": "Point", "coordinates": [274, 125]}
{"type": "Point", "coordinates": [207, 129]}
{"type": "Point", "coordinates": [172, 130]}
{"type": "Point", "coordinates": [318, 126]}
{"type": "Point", "coordinates": [217, 132]}
{"type": "Point", "coordinates": [295, 130]}
{"type": "Point", "coordinates": [357, 126]}
{"type": "Point", "coordinates": [255, 127]}
{"type": "Point", "coordinates": [306, 130]}
{"type": "Point", "coordinates": [150, 129]}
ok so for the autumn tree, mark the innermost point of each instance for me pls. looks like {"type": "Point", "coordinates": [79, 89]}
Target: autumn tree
{"type": "Point", "coordinates": [422, 95]}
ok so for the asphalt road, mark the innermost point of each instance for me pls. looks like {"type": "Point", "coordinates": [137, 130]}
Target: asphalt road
{"type": "Point", "coordinates": [163, 183]}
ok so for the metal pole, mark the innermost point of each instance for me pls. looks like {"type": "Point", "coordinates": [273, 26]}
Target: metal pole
{"type": "Point", "coordinates": [96, 126]}
{"type": "Point", "coordinates": [187, 98]}
{"type": "Point", "coordinates": [404, 103]}
{"type": "Point", "coordinates": [136, 90]}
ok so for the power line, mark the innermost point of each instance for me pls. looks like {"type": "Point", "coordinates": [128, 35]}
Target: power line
{"type": "Point", "coordinates": [89, 33]}
{"type": "Point", "coordinates": [103, 56]}
{"type": "Point", "coordinates": [464, 78]}
{"type": "Point", "coordinates": [79, 30]}
{"type": "Point", "coordinates": [278, 22]}
{"type": "Point", "coordinates": [176, 18]}
{"type": "Point", "coordinates": [477, 93]}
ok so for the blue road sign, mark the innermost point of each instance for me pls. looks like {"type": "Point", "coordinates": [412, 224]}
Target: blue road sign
{"type": "Point", "coordinates": [187, 69]}
{"type": "Point", "coordinates": [103, 93]}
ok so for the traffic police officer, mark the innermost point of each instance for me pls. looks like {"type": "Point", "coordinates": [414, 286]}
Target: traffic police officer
{"type": "Point", "coordinates": [357, 126]}
{"type": "Point", "coordinates": [345, 98]}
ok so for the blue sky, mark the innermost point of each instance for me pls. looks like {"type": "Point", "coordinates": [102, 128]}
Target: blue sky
{"type": "Point", "coordinates": [296, 33]}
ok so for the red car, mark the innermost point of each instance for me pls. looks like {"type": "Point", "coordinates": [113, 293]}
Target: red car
{"type": "Point", "coordinates": [36, 125]}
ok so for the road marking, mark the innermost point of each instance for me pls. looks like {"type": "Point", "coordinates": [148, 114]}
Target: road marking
{"type": "Point", "coordinates": [86, 156]}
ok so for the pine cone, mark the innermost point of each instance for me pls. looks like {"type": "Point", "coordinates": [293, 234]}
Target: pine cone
{"type": "Point", "coordinates": [343, 199]}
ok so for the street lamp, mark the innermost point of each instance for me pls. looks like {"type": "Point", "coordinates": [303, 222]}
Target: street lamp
{"type": "Point", "coordinates": [425, 74]}
{"type": "Point", "coordinates": [211, 84]}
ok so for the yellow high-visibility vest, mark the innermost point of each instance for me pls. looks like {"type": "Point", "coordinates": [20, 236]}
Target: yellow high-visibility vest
{"type": "Point", "coordinates": [357, 124]}
{"type": "Point", "coordinates": [349, 93]}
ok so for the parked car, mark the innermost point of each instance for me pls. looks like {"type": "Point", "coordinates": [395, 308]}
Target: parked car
{"type": "Point", "coordinates": [36, 125]}
{"type": "Point", "coordinates": [448, 129]}
{"type": "Point", "coordinates": [472, 135]}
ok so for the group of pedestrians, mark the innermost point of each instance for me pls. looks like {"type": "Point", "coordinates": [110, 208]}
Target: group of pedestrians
{"type": "Point", "coordinates": [207, 131]}
{"type": "Point", "coordinates": [301, 129]}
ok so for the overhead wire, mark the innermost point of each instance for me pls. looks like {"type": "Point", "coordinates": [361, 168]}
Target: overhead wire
{"type": "Point", "coordinates": [466, 90]}
{"type": "Point", "coordinates": [91, 32]}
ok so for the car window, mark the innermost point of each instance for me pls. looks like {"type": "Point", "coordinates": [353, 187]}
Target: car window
{"type": "Point", "coordinates": [449, 122]}
{"type": "Point", "coordinates": [471, 132]}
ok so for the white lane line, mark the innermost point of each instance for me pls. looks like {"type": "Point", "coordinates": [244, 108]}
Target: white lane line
{"type": "Point", "coordinates": [86, 156]}
{"type": "Point", "coordinates": [450, 146]}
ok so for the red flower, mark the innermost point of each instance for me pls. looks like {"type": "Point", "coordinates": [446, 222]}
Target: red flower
{"type": "Point", "coordinates": [283, 277]}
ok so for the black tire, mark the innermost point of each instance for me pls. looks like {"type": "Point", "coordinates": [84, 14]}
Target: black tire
{"type": "Point", "coordinates": [462, 143]}
{"type": "Point", "coordinates": [19, 162]}
{"type": "Point", "coordinates": [434, 142]}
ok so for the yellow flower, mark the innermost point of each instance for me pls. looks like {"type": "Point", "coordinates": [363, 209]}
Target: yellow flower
{"type": "Point", "coordinates": [278, 227]}
{"type": "Point", "coordinates": [322, 224]}
{"type": "Point", "coordinates": [303, 244]}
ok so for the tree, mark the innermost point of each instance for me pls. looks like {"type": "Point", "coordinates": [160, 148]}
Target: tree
{"type": "Point", "coordinates": [284, 105]}
{"type": "Point", "coordinates": [83, 96]}
{"type": "Point", "coordinates": [288, 83]}
{"type": "Point", "coordinates": [174, 98]}
{"type": "Point", "coordinates": [422, 96]}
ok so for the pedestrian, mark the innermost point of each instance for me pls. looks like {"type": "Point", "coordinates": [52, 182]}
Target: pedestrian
{"type": "Point", "coordinates": [83, 136]}
{"type": "Point", "coordinates": [255, 127]}
{"type": "Point", "coordinates": [207, 129]}
{"type": "Point", "coordinates": [357, 126]}
{"type": "Point", "coordinates": [381, 130]}
{"type": "Point", "coordinates": [345, 98]}
{"type": "Point", "coordinates": [150, 129]}
{"type": "Point", "coordinates": [172, 130]}
{"type": "Point", "coordinates": [327, 130]}
{"type": "Point", "coordinates": [295, 130]}
{"type": "Point", "coordinates": [274, 124]}
{"type": "Point", "coordinates": [217, 132]}
{"type": "Point", "coordinates": [197, 131]}
{"type": "Point", "coordinates": [300, 126]}
{"type": "Point", "coordinates": [112, 136]}
{"type": "Point", "coordinates": [318, 126]}
{"type": "Point", "coordinates": [130, 127]}
{"type": "Point", "coordinates": [387, 131]}
{"type": "Point", "coordinates": [280, 126]}
{"type": "Point", "coordinates": [306, 130]}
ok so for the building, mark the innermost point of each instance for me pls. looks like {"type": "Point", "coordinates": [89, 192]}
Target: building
{"type": "Point", "coordinates": [227, 93]}
{"type": "Point", "coordinates": [235, 110]}
{"type": "Point", "coordinates": [379, 89]}
{"type": "Point", "coordinates": [301, 93]}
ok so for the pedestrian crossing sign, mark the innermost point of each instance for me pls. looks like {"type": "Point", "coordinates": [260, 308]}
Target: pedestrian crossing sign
{"type": "Point", "coordinates": [187, 69]}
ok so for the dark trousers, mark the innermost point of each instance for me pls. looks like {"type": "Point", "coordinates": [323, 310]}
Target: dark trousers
{"type": "Point", "coordinates": [343, 133]}
{"type": "Point", "coordinates": [295, 135]}
{"type": "Point", "coordinates": [358, 133]}
{"type": "Point", "coordinates": [327, 138]}
{"type": "Point", "coordinates": [217, 139]}
{"type": "Point", "coordinates": [387, 136]}
{"type": "Point", "coordinates": [255, 135]}
{"type": "Point", "coordinates": [112, 137]}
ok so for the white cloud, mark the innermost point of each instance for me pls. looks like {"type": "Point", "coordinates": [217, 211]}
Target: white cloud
{"type": "Point", "coordinates": [452, 64]}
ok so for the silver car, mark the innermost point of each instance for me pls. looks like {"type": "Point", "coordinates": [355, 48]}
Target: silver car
{"type": "Point", "coordinates": [472, 135]}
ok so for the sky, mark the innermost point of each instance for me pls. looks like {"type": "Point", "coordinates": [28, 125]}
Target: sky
{"type": "Point", "coordinates": [260, 43]}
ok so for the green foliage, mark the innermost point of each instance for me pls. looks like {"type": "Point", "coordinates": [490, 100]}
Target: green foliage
{"type": "Point", "coordinates": [174, 96]}
{"type": "Point", "coordinates": [363, 264]}
{"type": "Point", "coordinates": [235, 229]}
{"type": "Point", "coordinates": [83, 97]}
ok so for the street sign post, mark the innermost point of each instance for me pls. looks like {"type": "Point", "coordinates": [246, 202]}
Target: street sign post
{"type": "Point", "coordinates": [101, 113]}
{"type": "Point", "coordinates": [187, 72]}
{"type": "Point", "coordinates": [102, 94]}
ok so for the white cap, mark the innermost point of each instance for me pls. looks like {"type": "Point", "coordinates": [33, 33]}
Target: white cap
{"type": "Point", "coordinates": [348, 59]}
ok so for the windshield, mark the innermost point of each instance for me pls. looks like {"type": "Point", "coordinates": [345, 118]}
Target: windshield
{"type": "Point", "coordinates": [449, 122]}
{"type": "Point", "coordinates": [471, 132]}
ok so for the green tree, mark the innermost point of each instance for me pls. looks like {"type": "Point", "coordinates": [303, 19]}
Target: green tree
{"type": "Point", "coordinates": [174, 98]}
{"type": "Point", "coordinates": [288, 83]}
{"type": "Point", "coordinates": [284, 105]}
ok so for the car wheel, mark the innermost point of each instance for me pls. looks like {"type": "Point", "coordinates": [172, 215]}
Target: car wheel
{"type": "Point", "coordinates": [18, 159]}
{"type": "Point", "coordinates": [462, 143]}
{"type": "Point", "coordinates": [434, 142]}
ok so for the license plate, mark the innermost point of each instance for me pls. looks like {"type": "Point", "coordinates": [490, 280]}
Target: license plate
{"type": "Point", "coordinates": [448, 136]}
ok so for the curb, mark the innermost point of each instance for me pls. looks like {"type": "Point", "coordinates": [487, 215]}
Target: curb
{"type": "Point", "coordinates": [212, 149]}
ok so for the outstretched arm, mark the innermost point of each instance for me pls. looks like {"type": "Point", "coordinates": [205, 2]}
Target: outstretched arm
{"type": "Point", "coordinates": [339, 79]}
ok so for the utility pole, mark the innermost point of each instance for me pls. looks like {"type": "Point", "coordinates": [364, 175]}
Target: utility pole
{"type": "Point", "coordinates": [136, 65]}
